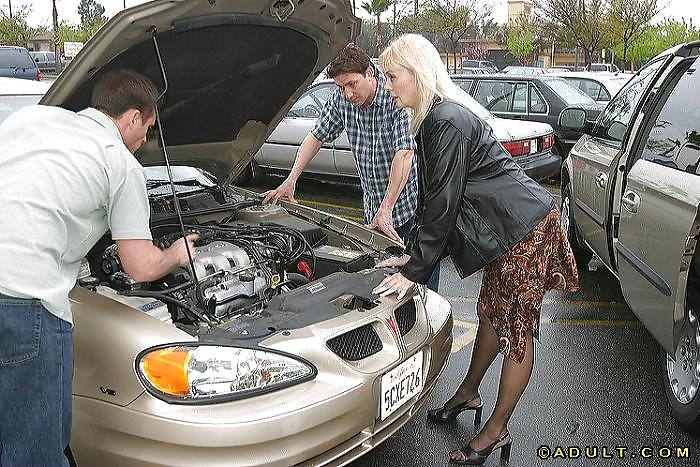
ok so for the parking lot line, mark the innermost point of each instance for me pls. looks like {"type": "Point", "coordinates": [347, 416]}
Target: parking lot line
{"type": "Point", "coordinates": [331, 205]}
{"type": "Point", "coordinates": [623, 323]}
{"type": "Point", "coordinates": [550, 301]}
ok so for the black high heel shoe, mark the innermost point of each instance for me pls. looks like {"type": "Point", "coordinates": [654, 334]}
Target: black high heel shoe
{"type": "Point", "coordinates": [444, 415]}
{"type": "Point", "coordinates": [474, 457]}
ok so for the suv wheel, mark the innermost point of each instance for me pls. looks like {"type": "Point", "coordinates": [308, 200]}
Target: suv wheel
{"type": "Point", "coordinates": [681, 374]}
{"type": "Point", "coordinates": [582, 254]}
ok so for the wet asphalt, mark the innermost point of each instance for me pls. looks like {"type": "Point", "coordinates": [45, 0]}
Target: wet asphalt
{"type": "Point", "coordinates": [595, 397]}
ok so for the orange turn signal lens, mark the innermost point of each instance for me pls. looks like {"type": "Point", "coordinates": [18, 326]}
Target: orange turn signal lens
{"type": "Point", "coordinates": [166, 370]}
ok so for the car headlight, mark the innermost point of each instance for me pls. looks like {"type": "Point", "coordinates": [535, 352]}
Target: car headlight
{"type": "Point", "coordinates": [191, 374]}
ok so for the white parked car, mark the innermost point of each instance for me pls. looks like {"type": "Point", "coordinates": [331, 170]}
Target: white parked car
{"type": "Point", "coordinates": [600, 86]}
{"type": "Point", "coordinates": [530, 143]}
{"type": "Point", "coordinates": [16, 93]}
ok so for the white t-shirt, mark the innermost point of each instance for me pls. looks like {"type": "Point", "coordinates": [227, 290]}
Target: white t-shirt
{"type": "Point", "coordinates": [65, 178]}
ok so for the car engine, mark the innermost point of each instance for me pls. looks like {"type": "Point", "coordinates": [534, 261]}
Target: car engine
{"type": "Point", "coordinates": [240, 263]}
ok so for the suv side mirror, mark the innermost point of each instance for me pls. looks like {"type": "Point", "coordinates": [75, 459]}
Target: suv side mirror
{"type": "Point", "coordinates": [572, 118]}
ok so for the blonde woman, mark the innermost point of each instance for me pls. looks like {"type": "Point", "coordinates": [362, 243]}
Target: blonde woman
{"type": "Point", "coordinates": [477, 205]}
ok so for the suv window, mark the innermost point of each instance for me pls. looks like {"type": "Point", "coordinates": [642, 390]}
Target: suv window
{"type": "Point", "coordinates": [311, 102]}
{"type": "Point", "coordinates": [674, 139]}
{"type": "Point", "coordinates": [15, 58]}
{"type": "Point", "coordinates": [613, 122]}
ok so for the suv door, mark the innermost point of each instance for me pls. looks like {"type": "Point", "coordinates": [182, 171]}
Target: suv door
{"type": "Point", "coordinates": [592, 181]}
{"type": "Point", "coordinates": [660, 208]}
{"type": "Point", "coordinates": [279, 151]}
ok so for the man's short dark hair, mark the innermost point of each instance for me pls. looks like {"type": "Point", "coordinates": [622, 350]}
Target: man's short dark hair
{"type": "Point", "coordinates": [351, 59]}
{"type": "Point", "coordinates": [117, 91]}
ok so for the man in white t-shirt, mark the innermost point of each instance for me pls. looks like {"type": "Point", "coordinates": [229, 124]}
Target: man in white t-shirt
{"type": "Point", "coordinates": [65, 179]}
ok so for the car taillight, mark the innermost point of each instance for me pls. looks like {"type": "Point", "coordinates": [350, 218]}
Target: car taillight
{"type": "Point", "coordinates": [518, 148]}
{"type": "Point", "coordinates": [547, 141]}
{"type": "Point", "coordinates": [39, 75]}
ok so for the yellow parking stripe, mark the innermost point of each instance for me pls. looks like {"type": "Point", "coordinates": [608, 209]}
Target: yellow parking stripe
{"type": "Point", "coordinates": [624, 323]}
{"type": "Point", "coordinates": [580, 303]}
{"type": "Point", "coordinates": [330, 205]}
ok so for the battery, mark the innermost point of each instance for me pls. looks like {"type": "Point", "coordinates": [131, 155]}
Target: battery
{"type": "Point", "coordinates": [330, 259]}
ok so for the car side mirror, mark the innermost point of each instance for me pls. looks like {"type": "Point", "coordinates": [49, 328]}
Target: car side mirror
{"type": "Point", "coordinates": [617, 131]}
{"type": "Point", "coordinates": [572, 118]}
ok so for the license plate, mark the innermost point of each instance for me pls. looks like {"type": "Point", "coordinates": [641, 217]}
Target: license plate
{"type": "Point", "coordinates": [401, 384]}
{"type": "Point", "coordinates": [533, 146]}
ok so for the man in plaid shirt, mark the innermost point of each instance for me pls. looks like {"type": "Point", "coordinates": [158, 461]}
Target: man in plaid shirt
{"type": "Point", "coordinates": [381, 142]}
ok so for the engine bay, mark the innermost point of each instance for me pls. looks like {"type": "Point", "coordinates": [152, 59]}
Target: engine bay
{"type": "Point", "coordinates": [247, 254]}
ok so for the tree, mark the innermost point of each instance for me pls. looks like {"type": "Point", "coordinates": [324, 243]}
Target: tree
{"type": "Point", "coordinates": [575, 22]}
{"type": "Point", "coordinates": [377, 8]}
{"type": "Point", "coordinates": [15, 30]}
{"type": "Point", "coordinates": [521, 38]}
{"type": "Point", "coordinates": [657, 38]}
{"type": "Point", "coordinates": [455, 19]}
{"type": "Point", "coordinates": [627, 20]}
{"type": "Point", "coordinates": [91, 12]}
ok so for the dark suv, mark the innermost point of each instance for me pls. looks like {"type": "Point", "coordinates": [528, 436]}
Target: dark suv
{"type": "Point", "coordinates": [15, 62]}
{"type": "Point", "coordinates": [631, 196]}
{"type": "Point", "coordinates": [531, 98]}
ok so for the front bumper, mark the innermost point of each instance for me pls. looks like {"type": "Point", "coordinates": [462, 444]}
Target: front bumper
{"type": "Point", "coordinates": [330, 420]}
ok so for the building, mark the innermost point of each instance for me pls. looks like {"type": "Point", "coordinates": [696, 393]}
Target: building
{"type": "Point", "coordinates": [517, 8]}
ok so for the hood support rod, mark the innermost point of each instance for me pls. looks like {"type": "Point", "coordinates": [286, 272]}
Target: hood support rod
{"type": "Point", "coordinates": [176, 202]}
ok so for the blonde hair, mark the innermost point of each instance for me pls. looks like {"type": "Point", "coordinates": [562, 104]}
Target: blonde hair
{"type": "Point", "coordinates": [419, 56]}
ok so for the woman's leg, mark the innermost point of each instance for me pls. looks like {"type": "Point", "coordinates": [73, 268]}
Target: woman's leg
{"type": "Point", "coordinates": [483, 354]}
{"type": "Point", "coordinates": [514, 379]}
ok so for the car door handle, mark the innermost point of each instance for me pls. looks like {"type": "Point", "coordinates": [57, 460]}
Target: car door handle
{"type": "Point", "coordinates": [601, 180]}
{"type": "Point", "coordinates": [631, 201]}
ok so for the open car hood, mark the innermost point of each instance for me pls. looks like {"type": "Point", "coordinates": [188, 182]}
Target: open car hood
{"type": "Point", "coordinates": [233, 69]}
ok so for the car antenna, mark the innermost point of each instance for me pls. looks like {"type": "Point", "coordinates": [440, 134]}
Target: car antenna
{"type": "Point", "coordinates": [170, 172]}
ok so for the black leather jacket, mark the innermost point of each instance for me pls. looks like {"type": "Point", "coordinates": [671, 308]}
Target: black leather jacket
{"type": "Point", "coordinates": [474, 201]}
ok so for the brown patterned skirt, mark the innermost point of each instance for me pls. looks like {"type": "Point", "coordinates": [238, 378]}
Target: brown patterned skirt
{"type": "Point", "coordinates": [514, 284]}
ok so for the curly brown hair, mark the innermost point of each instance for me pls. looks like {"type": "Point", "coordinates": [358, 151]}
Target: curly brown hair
{"type": "Point", "coordinates": [351, 59]}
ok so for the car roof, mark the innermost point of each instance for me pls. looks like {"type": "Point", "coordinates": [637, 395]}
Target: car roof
{"type": "Point", "coordinates": [16, 86]}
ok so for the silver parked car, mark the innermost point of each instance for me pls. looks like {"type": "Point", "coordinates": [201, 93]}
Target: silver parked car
{"type": "Point", "coordinates": [601, 86]}
{"type": "Point", "coordinates": [631, 195]}
{"type": "Point", "coordinates": [271, 349]}
{"type": "Point", "coordinates": [530, 143]}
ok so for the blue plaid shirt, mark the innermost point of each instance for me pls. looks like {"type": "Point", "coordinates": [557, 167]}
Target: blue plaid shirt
{"type": "Point", "coordinates": [375, 134]}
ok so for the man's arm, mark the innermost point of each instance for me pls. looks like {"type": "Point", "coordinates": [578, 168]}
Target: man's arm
{"type": "Point", "coordinates": [308, 149]}
{"type": "Point", "coordinates": [145, 262]}
{"type": "Point", "coordinates": [398, 176]}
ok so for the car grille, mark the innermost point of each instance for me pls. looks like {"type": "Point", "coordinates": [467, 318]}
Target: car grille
{"type": "Point", "coordinates": [406, 317]}
{"type": "Point", "coordinates": [357, 344]}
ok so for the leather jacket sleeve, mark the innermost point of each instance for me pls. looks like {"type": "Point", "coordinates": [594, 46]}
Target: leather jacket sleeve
{"type": "Point", "coordinates": [445, 165]}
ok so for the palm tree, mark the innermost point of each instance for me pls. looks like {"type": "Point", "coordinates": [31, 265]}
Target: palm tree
{"type": "Point", "coordinates": [376, 8]}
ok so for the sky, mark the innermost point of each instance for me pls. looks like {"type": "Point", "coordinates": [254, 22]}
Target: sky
{"type": "Point", "coordinates": [68, 9]}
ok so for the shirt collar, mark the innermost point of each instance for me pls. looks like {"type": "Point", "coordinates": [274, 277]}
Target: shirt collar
{"type": "Point", "coordinates": [101, 119]}
{"type": "Point", "coordinates": [382, 94]}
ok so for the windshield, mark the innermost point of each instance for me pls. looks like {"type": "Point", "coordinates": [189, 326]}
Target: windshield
{"type": "Point", "coordinates": [181, 173]}
{"type": "Point", "coordinates": [568, 93]}
{"type": "Point", "coordinates": [10, 104]}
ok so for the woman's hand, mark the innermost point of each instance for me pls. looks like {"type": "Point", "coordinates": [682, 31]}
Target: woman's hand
{"type": "Point", "coordinates": [395, 283]}
{"type": "Point", "coordinates": [393, 262]}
